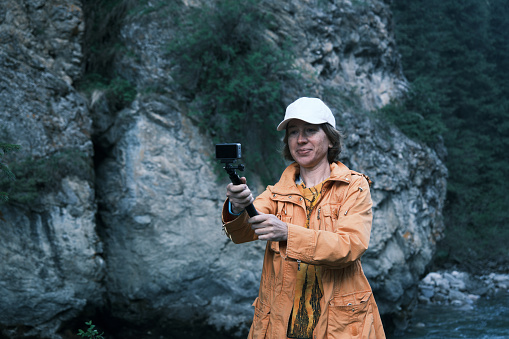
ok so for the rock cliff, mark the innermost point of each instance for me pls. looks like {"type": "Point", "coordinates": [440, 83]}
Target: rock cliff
{"type": "Point", "coordinates": [51, 265]}
{"type": "Point", "coordinates": [141, 238]}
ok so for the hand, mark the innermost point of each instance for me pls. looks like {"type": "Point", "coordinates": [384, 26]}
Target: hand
{"type": "Point", "coordinates": [269, 227]}
{"type": "Point", "coordinates": [240, 196]}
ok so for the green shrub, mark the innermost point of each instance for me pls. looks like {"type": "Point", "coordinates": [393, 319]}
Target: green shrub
{"type": "Point", "coordinates": [37, 175]}
{"type": "Point", "coordinates": [235, 76]}
{"type": "Point", "coordinates": [119, 91]}
{"type": "Point", "coordinates": [104, 20]}
{"type": "Point", "coordinates": [418, 116]}
{"type": "Point", "coordinates": [6, 173]}
{"type": "Point", "coordinates": [91, 332]}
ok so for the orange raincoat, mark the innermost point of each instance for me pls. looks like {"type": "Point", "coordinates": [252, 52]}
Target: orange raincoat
{"type": "Point", "coordinates": [338, 235]}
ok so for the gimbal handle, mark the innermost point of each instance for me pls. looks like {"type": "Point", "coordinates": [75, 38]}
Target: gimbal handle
{"type": "Point", "coordinates": [234, 177]}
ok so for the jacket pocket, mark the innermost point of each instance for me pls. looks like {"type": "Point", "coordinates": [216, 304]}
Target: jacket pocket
{"type": "Point", "coordinates": [328, 215]}
{"type": "Point", "coordinates": [351, 316]}
{"type": "Point", "coordinates": [260, 320]}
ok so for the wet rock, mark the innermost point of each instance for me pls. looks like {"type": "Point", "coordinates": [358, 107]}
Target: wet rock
{"type": "Point", "coordinates": [459, 288]}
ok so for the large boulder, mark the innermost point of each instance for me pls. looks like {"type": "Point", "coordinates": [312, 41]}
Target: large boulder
{"type": "Point", "coordinates": [159, 203]}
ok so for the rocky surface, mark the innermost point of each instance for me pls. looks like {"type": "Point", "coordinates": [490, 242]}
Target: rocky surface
{"type": "Point", "coordinates": [51, 265]}
{"type": "Point", "coordinates": [460, 289]}
{"type": "Point", "coordinates": [408, 195]}
{"type": "Point", "coordinates": [159, 207]}
{"type": "Point", "coordinates": [339, 42]}
{"type": "Point", "coordinates": [143, 238]}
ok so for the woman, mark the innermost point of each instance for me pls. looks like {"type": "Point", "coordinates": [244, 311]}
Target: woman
{"type": "Point", "coordinates": [317, 223]}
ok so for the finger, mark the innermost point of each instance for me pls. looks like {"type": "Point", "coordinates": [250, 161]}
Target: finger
{"type": "Point", "coordinates": [236, 188]}
{"type": "Point", "coordinates": [255, 227]}
{"type": "Point", "coordinates": [262, 225]}
{"type": "Point", "coordinates": [261, 231]}
{"type": "Point", "coordinates": [269, 227]}
{"type": "Point", "coordinates": [267, 237]}
{"type": "Point", "coordinates": [241, 200]}
{"type": "Point", "coordinates": [260, 218]}
{"type": "Point", "coordinates": [238, 191]}
{"type": "Point", "coordinates": [243, 184]}
{"type": "Point", "coordinates": [243, 196]}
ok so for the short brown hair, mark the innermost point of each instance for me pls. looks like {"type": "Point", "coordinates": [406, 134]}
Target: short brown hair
{"type": "Point", "coordinates": [334, 137]}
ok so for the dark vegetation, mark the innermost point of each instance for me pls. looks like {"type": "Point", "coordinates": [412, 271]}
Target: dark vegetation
{"type": "Point", "coordinates": [454, 54]}
{"type": "Point", "coordinates": [23, 178]}
{"type": "Point", "coordinates": [236, 77]}
{"type": "Point", "coordinates": [118, 329]}
{"type": "Point", "coordinates": [6, 175]}
{"type": "Point", "coordinates": [34, 176]}
{"type": "Point", "coordinates": [102, 45]}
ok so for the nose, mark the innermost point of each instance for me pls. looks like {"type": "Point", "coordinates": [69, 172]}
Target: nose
{"type": "Point", "coordinates": [301, 138]}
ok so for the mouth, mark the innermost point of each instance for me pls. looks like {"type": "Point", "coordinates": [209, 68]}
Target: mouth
{"type": "Point", "coordinates": [303, 151]}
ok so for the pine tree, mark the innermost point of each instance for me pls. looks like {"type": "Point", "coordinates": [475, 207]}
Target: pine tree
{"type": "Point", "coordinates": [457, 52]}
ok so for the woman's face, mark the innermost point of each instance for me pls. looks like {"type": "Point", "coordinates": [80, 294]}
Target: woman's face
{"type": "Point", "coordinates": [308, 143]}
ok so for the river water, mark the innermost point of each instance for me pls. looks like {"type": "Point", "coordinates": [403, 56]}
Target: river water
{"type": "Point", "coordinates": [489, 319]}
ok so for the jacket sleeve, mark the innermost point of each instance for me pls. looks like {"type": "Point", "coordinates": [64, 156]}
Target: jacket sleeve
{"type": "Point", "coordinates": [350, 240]}
{"type": "Point", "coordinates": [237, 228]}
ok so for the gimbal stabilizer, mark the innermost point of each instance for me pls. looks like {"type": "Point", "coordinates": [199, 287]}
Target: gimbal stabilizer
{"type": "Point", "coordinates": [228, 154]}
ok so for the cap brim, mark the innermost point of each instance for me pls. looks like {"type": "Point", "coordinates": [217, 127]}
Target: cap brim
{"type": "Point", "coordinates": [283, 124]}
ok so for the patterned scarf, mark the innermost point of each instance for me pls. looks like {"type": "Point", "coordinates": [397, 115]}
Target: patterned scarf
{"type": "Point", "coordinates": [308, 290]}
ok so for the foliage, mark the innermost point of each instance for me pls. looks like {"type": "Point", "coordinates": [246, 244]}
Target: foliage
{"type": "Point", "coordinates": [455, 52]}
{"type": "Point", "coordinates": [91, 332]}
{"type": "Point", "coordinates": [36, 175]}
{"type": "Point", "coordinates": [4, 170]}
{"type": "Point", "coordinates": [102, 46]}
{"type": "Point", "coordinates": [119, 91]}
{"type": "Point", "coordinates": [418, 116]}
{"type": "Point", "coordinates": [235, 76]}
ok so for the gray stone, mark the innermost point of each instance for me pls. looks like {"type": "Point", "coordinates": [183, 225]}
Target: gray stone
{"type": "Point", "coordinates": [457, 295]}
{"type": "Point", "coordinates": [427, 291]}
{"type": "Point", "coordinates": [440, 298]}
{"type": "Point", "coordinates": [457, 288]}
{"type": "Point", "coordinates": [457, 302]}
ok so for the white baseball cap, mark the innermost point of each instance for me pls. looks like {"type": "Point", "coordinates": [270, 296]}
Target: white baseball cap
{"type": "Point", "coordinates": [310, 110]}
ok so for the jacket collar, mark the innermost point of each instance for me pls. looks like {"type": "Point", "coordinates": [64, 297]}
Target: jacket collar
{"type": "Point", "coordinates": [286, 185]}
